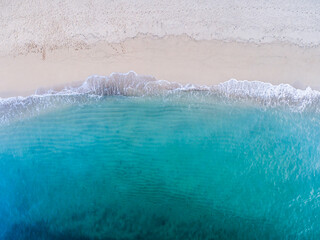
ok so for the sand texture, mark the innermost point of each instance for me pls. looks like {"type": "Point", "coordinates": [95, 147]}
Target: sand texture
{"type": "Point", "coordinates": [35, 24]}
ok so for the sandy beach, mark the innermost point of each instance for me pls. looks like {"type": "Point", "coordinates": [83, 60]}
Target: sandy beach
{"type": "Point", "coordinates": [50, 44]}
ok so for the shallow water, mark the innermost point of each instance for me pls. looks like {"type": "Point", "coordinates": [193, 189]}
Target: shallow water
{"type": "Point", "coordinates": [119, 167]}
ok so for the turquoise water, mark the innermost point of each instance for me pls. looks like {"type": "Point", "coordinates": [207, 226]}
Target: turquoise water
{"type": "Point", "coordinates": [120, 167]}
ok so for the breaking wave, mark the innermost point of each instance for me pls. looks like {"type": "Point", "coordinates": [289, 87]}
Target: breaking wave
{"type": "Point", "coordinates": [264, 95]}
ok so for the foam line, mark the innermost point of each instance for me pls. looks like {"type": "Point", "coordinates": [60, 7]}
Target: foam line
{"type": "Point", "coordinates": [132, 84]}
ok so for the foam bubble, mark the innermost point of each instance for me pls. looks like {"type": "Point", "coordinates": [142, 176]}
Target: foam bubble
{"type": "Point", "coordinates": [132, 84]}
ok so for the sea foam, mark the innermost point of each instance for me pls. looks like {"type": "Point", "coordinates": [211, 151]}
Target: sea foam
{"type": "Point", "coordinates": [264, 95]}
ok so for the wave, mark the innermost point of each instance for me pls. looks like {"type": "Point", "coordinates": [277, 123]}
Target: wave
{"type": "Point", "coordinates": [131, 84]}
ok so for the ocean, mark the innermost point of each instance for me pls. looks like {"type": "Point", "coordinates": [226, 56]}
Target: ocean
{"type": "Point", "coordinates": [129, 157]}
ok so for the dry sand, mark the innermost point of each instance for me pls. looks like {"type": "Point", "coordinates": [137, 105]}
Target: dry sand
{"type": "Point", "coordinates": [180, 59]}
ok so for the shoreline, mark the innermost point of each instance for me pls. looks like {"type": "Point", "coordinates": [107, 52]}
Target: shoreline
{"type": "Point", "coordinates": [173, 58]}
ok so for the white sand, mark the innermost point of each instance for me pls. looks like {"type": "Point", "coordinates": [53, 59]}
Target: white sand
{"type": "Point", "coordinates": [36, 23]}
{"type": "Point", "coordinates": [50, 43]}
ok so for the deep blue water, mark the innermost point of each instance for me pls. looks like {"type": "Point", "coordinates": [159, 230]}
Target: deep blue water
{"type": "Point", "coordinates": [159, 168]}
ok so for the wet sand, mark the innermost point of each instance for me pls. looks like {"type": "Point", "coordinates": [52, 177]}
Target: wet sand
{"type": "Point", "coordinates": [173, 58]}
